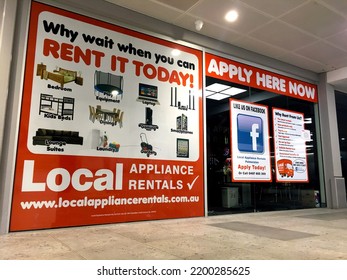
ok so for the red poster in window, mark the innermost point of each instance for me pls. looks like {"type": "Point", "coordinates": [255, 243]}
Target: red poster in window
{"type": "Point", "coordinates": [110, 126]}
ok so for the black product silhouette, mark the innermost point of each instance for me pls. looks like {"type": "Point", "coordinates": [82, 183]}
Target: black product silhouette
{"type": "Point", "coordinates": [149, 115]}
{"type": "Point", "coordinates": [145, 147]}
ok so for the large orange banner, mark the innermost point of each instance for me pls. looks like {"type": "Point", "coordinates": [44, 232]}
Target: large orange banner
{"type": "Point", "coordinates": [111, 125]}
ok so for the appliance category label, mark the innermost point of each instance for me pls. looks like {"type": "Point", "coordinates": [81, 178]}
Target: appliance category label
{"type": "Point", "coordinates": [110, 125]}
{"type": "Point", "coordinates": [250, 142]}
{"type": "Point", "coordinates": [290, 139]}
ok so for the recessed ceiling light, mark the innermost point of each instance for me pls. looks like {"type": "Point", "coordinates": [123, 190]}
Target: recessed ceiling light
{"type": "Point", "coordinates": [231, 16]}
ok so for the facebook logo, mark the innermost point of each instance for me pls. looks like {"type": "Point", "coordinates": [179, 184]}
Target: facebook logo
{"type": "Point", "coordinates": [250, 136]}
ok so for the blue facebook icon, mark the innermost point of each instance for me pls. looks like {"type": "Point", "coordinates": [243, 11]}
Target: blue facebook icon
{"type": "Point", "coordinates": [250, 136]}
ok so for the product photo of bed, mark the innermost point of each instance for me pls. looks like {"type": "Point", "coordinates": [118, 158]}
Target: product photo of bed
{"type": "Point", "coordinates": [59, 75]}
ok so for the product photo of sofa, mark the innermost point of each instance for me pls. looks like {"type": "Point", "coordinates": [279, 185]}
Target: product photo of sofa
{"type": "Point", "coordinates": [43, 136]}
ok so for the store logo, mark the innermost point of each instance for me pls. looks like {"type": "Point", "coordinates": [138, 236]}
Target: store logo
{"type": "Point", "coordinates": [250, 137]}
{"type": "Point", "coordinates": [83, 179]}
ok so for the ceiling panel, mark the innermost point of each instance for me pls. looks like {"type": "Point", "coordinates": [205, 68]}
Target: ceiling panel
{"type": "Point", "coordinates": [223, 34]}
{"type": "Point", "coordinates": [322, 52]}
{"type": "Point", "coordinates": [182, 5]}
{"type": "Point", "coordinates": [316, 19]}
{"type": "Point", "coordinates": [310, 34]}
{"type": "Point", "coordinates": [150, 8]}
{"type": "Point", "coordinates": [339, 6]}
{"type": "Point", "coordinates": [248, 19]}
{"type": "Point", "coordinates": [258, 46]}
{"type": "Point", "coordinates": [339, 39]}
{"type": "Point", "coordinates": [339, 63]}
{"type": "Point", "coordinates": [304, 62]}
{"type": "Point", "coordinates": [274, 8]}
{"type": "Point", "coordinates": [273, 32]}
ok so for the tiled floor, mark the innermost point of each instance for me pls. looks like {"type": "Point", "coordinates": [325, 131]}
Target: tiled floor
{"type": "Point", "coordinates": [285, 235]}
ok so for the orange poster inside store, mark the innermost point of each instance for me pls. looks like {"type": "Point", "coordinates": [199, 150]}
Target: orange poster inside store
{"type": "Point", "coordinates": [111, 125]}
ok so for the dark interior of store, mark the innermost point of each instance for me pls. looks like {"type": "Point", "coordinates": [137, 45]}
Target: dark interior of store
{"type": "Point", "coordinates": [226, 196]}
{"type": "Point", "coordinates": [341, 105]}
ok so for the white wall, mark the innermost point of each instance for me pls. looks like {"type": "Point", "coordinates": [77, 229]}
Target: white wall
{"type": "Point", "coordinates": [7, 21]}
{"type": "Point", "coordinates": [7, 26]}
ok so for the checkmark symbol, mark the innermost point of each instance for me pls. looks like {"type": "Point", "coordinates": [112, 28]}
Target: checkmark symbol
{"type": "Point", "coordinates": [190, 186]}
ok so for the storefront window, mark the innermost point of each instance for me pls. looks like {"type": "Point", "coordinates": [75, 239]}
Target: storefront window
{"type": "Point", "coordinates": [280, 193]}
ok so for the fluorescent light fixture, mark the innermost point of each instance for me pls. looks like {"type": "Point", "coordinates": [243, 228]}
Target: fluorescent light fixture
{"type": "Point", "coordinates": [233, 91]}
{"type": "Point", "coordinates": [223, 91]}
{"type": "Point", "coordinates": [307, 120]}
{"type": "Point", "coordinates": [209, 92]}
{"type": "Point", "coordinates": [231, 16]}
{"type": "Point", "coordinates": [217, 87]}
{"type": "Point", "coordinates": [217, 96]}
